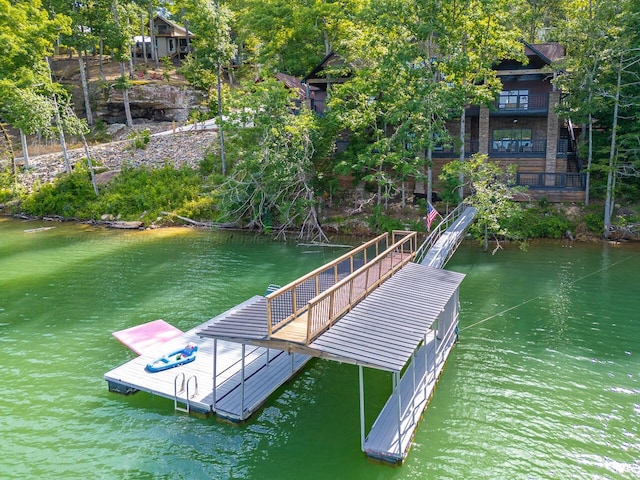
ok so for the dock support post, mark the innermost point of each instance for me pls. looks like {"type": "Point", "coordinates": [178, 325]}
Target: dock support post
{"type": "Point", "coordinates": [242, 385]}
{"type": "Point", "coordinates": [215, 360]}
{"type": "Point", "coordinates": [426, 365]}
{"type": "Point", "coordinates": [413, 396]}
{"type": "Point", "coordinates": [399, 413]}
{"type": "Point", "coordinates": [292, 363]}
{"type": "Point", "coordinates": [360, 374]}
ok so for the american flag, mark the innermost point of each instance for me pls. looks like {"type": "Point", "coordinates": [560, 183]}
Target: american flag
{"type": "Point", "coordinates": [432, 213]}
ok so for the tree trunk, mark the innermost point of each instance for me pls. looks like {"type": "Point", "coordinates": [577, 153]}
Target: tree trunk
{"type": "Point", "coordinates": [103, 77]}
{"type": "Point", "coordinates": [25, 149]}
{"type": "Point", "coordinates": [63, 143]}
{"type": "Point", "coordinates": [144, 43]}
{"type": "Point", "coordinates": [429, 174]}
{"type": "Point", "coordinates": [186, 30]}
{"type": "Point", "coordinates": [85, 89]}
{"type": "Point", "coordinates": [154, 50]}
{"type": "Point", "coordinates": [589, 161]}
{"type": "Point", "coordinates": [608, 205]}
{"type": "Point", "coordinates": [223, 156]}
{"type": "Point", "coordinates": [462, 135]}
{"type": "Point", "coordinates": [90, 164]}
{"type": "Point", "coordinates": [486, 238]}
{"type": "Point", "coordinates": [12, 156]}
{"type": "Point", "coordinates": [125, 97]}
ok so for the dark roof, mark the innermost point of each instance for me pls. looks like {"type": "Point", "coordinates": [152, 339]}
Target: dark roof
{"type": "Point", "coordinates": [548, 52]}
{"type": "Point", "coordinates": [385, 328]}
{"type": "Point", "coordinates": [332, 59]}
{"type": "Point", "coordinates": [294, 83]}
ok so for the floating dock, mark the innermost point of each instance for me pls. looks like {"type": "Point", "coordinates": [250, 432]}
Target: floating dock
{"type": "Point", "coordinates": [254, 371]}
{"type": "Point", "coordinates": [372, 307]}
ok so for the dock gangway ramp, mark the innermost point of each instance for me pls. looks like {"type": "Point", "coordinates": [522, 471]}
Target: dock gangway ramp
{"type": "Point", "coordinates": [442, 243]}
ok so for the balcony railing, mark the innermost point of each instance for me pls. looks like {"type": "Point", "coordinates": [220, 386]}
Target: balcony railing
{"type": "Point", "coordinates": [575, 181]}
{"type": "Point", "coordinates": [532, 103]}
{"type": "Point", "coordinates": [523, 147]}
{"type": "Point", "coordinates": [470, 147]}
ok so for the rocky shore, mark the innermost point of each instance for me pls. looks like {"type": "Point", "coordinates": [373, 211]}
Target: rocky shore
{"type": "Point", "coordinates": [172, 149]}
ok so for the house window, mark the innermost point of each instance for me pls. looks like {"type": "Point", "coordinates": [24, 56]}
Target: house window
{"type": "Point", "coordinates": [172, 45]}
{"type": "Point", "coordinates": [514, 100]}
{"type": "Point", "coordinates": [512, 140]}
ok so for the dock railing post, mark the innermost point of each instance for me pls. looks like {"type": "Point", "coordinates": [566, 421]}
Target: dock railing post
{"type": "Point", "coordinates": [215, 353]}
{"type": "Point", "coordinates": [399, 414]}
{"type": "Point", "coordinates": [269, 327]}
{"type": "Point", "coordinates": [361, 378]}
{"type": "Point", "coordinates": [413, 396]}
{"type": "Point", "coordinates": [242, 384]}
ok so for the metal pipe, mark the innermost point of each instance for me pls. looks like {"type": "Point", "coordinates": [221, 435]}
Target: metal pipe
{"type": "Point", "coordinates": [399, 415]}
{"type": "Point", "coordinates": [360, 374]}
{"type": "Point", "coordinates": [215, 353]}
{"type": "Point", "coordinates": [242, 385]}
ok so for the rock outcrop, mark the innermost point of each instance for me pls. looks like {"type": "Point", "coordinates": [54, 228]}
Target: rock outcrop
{"type": "Point", "coordinates": [152, 101]}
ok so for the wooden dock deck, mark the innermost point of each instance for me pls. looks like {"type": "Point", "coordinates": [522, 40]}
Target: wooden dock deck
{"type": "Point", "coordinates": [265, 370]}
{"type": "Point", "coordinates": [391, 435]}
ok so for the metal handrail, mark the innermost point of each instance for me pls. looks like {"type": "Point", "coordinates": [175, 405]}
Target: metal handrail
{"type": "Point", "coordinates": [435, 235]}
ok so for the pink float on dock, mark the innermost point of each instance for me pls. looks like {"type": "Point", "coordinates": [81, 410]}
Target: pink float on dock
{"type": "Point", "coordinates": [143, 336]}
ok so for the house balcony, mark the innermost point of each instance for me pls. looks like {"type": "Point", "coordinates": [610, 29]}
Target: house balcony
{"type": "Point", "coordinates": [526, 148]}
{"type": "Point", "coordinates": [470, 147]}
{"type": "Point", "coordinates": [544, 181]}
{"type": "Point", "coordinates": [531, 104]}
{"type": "Point", "coordinates": [506, 148]}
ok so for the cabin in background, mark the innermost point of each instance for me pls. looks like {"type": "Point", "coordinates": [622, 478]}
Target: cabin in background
{"type": "Point", "coordinates": [521, 127]}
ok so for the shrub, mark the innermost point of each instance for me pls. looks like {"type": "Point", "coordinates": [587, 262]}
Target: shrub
{"type": "Point", "coordinates": [380, 222]}
{"type": "Point", "coordinates": [70, 195]}
{"type": "Point", "coordinates": [140, 140]}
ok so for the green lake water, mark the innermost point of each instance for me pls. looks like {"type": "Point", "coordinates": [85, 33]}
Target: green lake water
{"type": "Point", "coordinates": [543, 384]}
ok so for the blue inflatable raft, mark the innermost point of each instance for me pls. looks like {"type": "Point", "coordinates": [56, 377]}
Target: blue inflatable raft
{"type": "Point", "coordinates": [174, 359]}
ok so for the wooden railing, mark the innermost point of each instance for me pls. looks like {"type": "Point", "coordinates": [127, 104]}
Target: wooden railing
{"type": "Point", "coordinates": [292, 300]}
{"type": "Point", "coordinates": [328, 307]}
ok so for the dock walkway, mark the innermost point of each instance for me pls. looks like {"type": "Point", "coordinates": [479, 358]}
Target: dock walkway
{"type": "Point", "coordinates": [373, 307]}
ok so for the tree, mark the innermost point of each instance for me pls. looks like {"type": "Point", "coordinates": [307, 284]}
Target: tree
{"type": "Point", "coordinates": [586, 35]}
{"type": "Point", "coordinates": [27, 36]}
{"type": "Point", "coordinates": [472, 35]}
{"type": "Point", "coordinates": [603, 75]}
{"type": "Point", "coordinates": [394, 107]}
{"type": "Point", "coordinates": [120, 42]}
{"type": "Point", "coordinates": [213, 50]}
{"type": "Point", "coordinates": [491, 194]}
{"type": "Point", "coordinates": [271, 184]}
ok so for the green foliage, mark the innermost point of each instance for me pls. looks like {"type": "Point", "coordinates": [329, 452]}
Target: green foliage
{"type": "Point", "coordinates": [539, 221]}
{"type": "Point", "coordinates": [594, 220]}
{"type": "Point", "coordinates": [70, 195]}
{"type": "Point", "coordinates": [135, 192]}
{"type": "Point", "coordinates": [140, 140]}
{"type": "Point", "coordinates": [138, 190]}
{"type": "Point", "coordinates": [380, 222]}
{"type": "Point", "coordinates": [490, 194]}
{"type": "Point", "coordinates": [6, 185]}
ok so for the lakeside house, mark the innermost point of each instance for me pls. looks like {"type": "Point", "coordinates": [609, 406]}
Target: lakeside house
{"type": "Point", "coordinates": [170, 39]}
{"type": "Point", "coordinates": [521, 127]}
